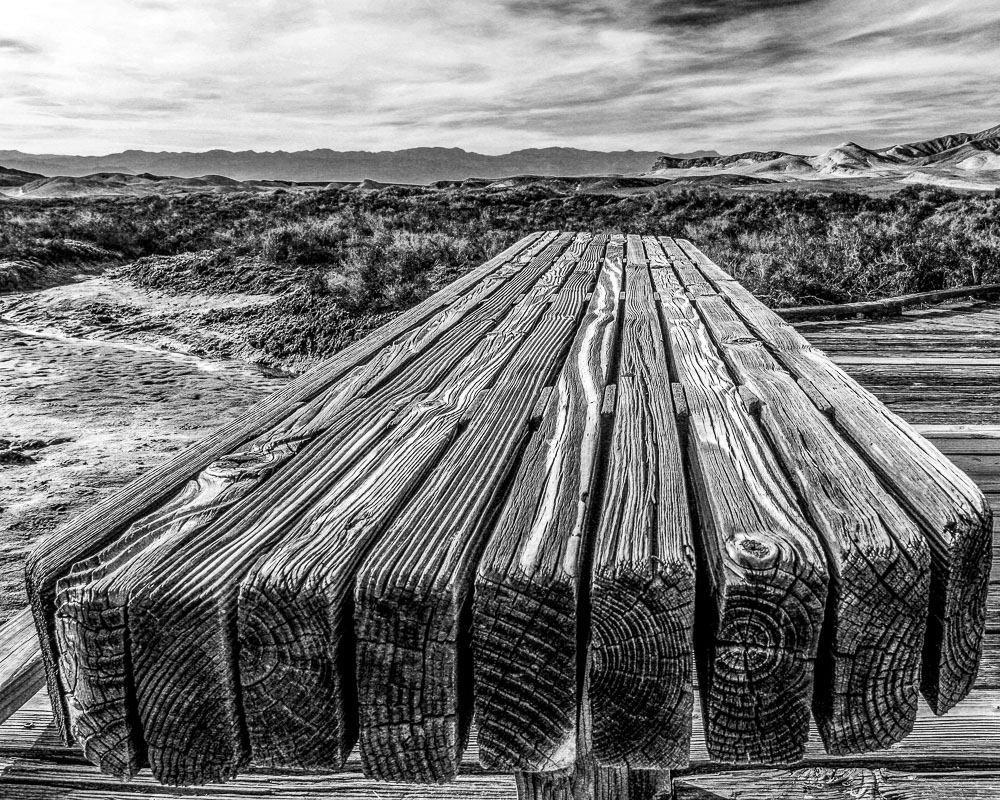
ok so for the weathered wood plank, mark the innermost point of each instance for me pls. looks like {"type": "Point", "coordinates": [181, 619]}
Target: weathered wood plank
{"type": "Point", "coordinates": [31, 780]}
{"type": "Point", "coordinates": [878, 308]}
{"type": "Point", "coordinates": [587, 779]}
{"type": "Point", "coordinates": [600, 783]}
{"type": "Point", "coordinates": [971, 436]}
{"type": "Point", "coordinates": [157, 576]}
{"type": "Point", "coordinates": [642, 591]}
{"type": "Point", "coordinates": [840, 783]}
{"type": "Point", "coordinates": [296, 630]}
{"type": "Point", "coordinates": [44, 780]}
{"type": "Point", "coordinates": [22, 673]}
{"type": "Point", "coordinates": [867, 673]}
{"type": "Point", "coordinates": [966, 738]}
{"type": "Point", "coordinates": [412, 592]}
{"type": "Point", "coordinates": [90, 532]}
{"type": "Point", "coordinates": [36, 781]}
{"type": "Point", "coordinates": [525, 615]}
{"type": "Point", "coordinates": [953, 514]}
{"type": "Point", "coordinates": [695, 283]}
{"type": "Point", "coordinates": [187, 701]}
{"type": "Point", "coordinates": [765, 576]}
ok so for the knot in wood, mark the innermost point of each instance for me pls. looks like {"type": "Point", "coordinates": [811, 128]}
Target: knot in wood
{"type": "Point", "coordinates": [755, 552]}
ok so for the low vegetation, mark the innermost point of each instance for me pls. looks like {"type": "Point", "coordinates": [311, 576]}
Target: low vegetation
{"type": "Point", "coordinates": [342, 261]}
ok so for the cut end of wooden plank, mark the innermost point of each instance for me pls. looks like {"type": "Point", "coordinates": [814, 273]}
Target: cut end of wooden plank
{"type": "Point", "coordinates": [525, 707]}
{"type": "Point", "coordinates": [188, 706]}
{"type": "Point", "coordinates": [867, 673]}
{"type": "Point", "coordinates": [92, 641]}
{"type": "Point", "coordinates": [413, 724]}
{"type": "Point", "coordinates": [760, 679]}
{"type": "Point", "coordinates": [957, 620]}
{"type": "Point", "coordinates": [640, 671]}
{"type": "Point", "coordinates": [297, 676]}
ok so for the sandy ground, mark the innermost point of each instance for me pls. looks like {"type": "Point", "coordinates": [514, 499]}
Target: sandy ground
{"type": "Point", "coordinates": [112, 309]}
{"type": "Point", "coordinates": [86, 405]}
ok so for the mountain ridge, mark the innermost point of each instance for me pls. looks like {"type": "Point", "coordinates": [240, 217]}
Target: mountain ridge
{"type": "Point", "coordinates": [412, 165]}
{"type": "Point", "coordinates": [961, 160]}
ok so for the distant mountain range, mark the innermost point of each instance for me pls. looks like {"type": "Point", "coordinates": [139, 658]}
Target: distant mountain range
{"type": "Point", "coordinates": [416, 165]}
{"type": "Point", "coordinates": [964, 160]}
{"type": "Point", "coordinates": [958, 160]}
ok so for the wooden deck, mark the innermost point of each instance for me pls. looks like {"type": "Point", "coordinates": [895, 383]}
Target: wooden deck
{"type": "Point", "coordinates": [939, 369]}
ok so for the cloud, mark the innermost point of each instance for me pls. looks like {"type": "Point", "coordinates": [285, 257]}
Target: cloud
{"type": "Point", "coordinates": [18, 46]}
{"type": "Point", "coordinates": [712, 12]}
{"type": "Point", "coordinates": [801, 75]}
{"type": "Point", "coordinates": [642, 13]}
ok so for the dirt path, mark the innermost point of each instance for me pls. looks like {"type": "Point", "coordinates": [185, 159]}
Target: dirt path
{"type": "Point", "coordinates": [80, 417]}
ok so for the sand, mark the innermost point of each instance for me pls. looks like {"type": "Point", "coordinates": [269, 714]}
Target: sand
{"type": "Point", "coordinates": [84, 412]}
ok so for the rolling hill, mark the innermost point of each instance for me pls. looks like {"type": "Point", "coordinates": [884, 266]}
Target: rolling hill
{"type": "Point", "coordinates": [959, 160]}
{"type": "Point", "coordinates": [16, 177]}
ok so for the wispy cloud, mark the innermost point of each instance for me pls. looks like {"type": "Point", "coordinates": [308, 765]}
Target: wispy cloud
{"type": "Point", "coordinates": [18, 46]}
{"type": "Point", "coordinates": [667, 13]}
{"type": "Point", "coordinates": [611, 74]}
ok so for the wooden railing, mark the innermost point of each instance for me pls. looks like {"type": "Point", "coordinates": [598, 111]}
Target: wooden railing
{"type": "Point", "coordinates": [887, 307]}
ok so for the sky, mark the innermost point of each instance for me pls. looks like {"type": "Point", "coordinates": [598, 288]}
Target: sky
{"type": "Point", "coordinates": [493, 75]}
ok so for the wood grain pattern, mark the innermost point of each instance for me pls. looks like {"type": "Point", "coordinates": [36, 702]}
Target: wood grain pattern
{"type": "Point", "coordinates": [525, 617]}
{"type": "Point", "coordinates": [188, 701]}
{"type": "Point", "coordinates": [411, 594]}
{"type": "Point", "coordinates": [295, 621]}
{"type": "Point", "coordinates": [642, 592]}
{"type": "Point", "coordinates": [765, 575]}
{"type": "Point", "coordinates": [148, 568]}
{"type": "Point", "coordinates": [867, 672]}
{"type": "Point", "coordinates": [964, 743]}
{"type": "Point", "coordinates": [587, 778]}
{"type": "Point", "coordinates": [87, 534]}
{"type": "Point", "coordinates": [314, 578]}
{"type": "Point", "coordinates": [966, 738]}
{"type": "Point", "coordinates": [21, 670]}
{"type": "Point", "coordinates": [694, 281]}
{"type": "Point", "coordinates": [953, 514]}
{"type": "Point", "coordinates": [843, 783]}
{"type": "Point", "coordinates": [35, 779]}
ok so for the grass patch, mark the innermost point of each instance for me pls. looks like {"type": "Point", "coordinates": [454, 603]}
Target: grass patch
{"type": "Point", "coordinates": [340, 262]}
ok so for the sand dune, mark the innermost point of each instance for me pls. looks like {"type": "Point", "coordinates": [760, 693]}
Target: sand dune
{"type": "Point", "coordinates": [960, 160]}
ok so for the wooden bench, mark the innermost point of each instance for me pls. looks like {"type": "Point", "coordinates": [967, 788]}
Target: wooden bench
{"type": "Point", "coordinates": [539, 496]}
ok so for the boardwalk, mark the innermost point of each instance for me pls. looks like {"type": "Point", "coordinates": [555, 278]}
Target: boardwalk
{"type": "Point", "coordinates": [736, 375]}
